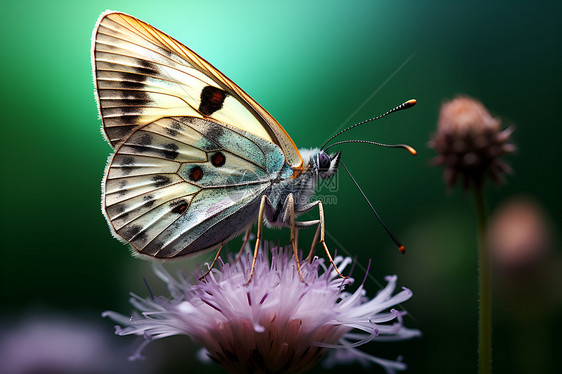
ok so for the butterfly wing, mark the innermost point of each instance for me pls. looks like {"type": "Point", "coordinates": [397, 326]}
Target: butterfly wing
{"type": "Point", "coordinates": [142, 74]}
{"type": "Point", "coordinates": [181, 185]}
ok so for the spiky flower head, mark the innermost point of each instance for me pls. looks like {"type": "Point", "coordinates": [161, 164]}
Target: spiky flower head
{"type": "Point", "coordinates": [470, 142]}
{"type": "Point", "coordinates": [277, 323]}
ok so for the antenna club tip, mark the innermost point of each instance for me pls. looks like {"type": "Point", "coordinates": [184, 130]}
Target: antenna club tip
{"type": "Point", "coordinates": [412, 102]}
{"type": "Point", "coordinates": [402, 249]}
{"type": "Point", "coordinates": [411, 150]}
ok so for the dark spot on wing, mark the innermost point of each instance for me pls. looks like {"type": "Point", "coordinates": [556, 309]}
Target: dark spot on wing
{"type": "Point", "coordinates": [196, 173]}
{"type": "Point", "coordinates": [132, 80]}
{"type": "Point", "coordinates": [161, 180]}
{"type": "Point", "coordinates": [145, 139]}
{"type": "Point", "coordinates": [130, 88]}
{"type": "Point", "coordinates": [141, 143]}
{"type": "Point", "coordinates": [218, 159]}
{"type": "Point", "coordinates": [128, 163]}
{"type": "Point", "coordinates": [117, 211]}
{"type": "Point", "coordinates": [140, 239]}
{"type": "Point", "coordinates": [122, 190]}
{"type": "Point", "coordinates": [129, 232]}
{"type": "Point", "coordinates": [214, 132]}
{"type": "Point", "coordinates": [178, 207]}
{"type": "Point", "coordinates": [147, 68]}
{"type": "Point", "coordinates": [124, 97]}
{"type": "Point", "coordinates": [134, 95]}
{"type": "Point", "coordinates": [212, 99]}
{"type": "Point", "coordinates": [148, 201]}
{"type": "Point", "coordinates": [129, 117]}
{"type": "Point", "coordinates": [135, 102]}
{"type": "Point", "coordinates": [116, 133]}
{"type": "Point", "coordinates": [153, 247]}
{"type": "Point", "coordinates": [128, 160]}
{"type": "Point", "coordinates": [133, 233]}
{"type": "Point", "coordinates": [170, 131]}
{"type": "Point", "coordinates": [170, 151]}
{"type": "Point", "coordinates": [127, 94]}
{"type": "Point", "coordinates": [173, 130]}
{"type": "Point", "coordinates": [131, 85]}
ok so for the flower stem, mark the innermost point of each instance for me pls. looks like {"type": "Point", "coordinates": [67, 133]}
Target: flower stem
{"type": "Point", "coordinates": [485, 312]}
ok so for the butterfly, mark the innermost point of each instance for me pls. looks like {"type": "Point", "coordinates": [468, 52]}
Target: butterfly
{"type": "Point", "coordinates": [196, 160]}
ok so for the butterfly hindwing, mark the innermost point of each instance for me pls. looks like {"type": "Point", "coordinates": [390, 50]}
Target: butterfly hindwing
{"type": "Point", "coordinates": [174, 182]}
{"type": "Point", "coordinates": [142, 74]}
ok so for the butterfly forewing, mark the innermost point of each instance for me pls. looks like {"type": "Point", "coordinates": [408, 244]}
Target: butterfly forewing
{"type": "Point", "coordinates": [142, 74]}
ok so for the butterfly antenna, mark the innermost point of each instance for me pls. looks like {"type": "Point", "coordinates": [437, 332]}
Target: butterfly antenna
{"type": "Point", "coordinates": [396, 241]}
{"type": "Point", "coordinates": [408, 104]}
{"type": "Point", "coordinates": [404, 146]}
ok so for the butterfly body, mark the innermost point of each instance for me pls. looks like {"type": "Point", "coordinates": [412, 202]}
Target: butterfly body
{"type": "Point", "coordinates": [302, 187]}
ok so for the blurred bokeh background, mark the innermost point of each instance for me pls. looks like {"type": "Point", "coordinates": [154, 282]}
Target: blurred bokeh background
{"type": "Point", "coordinates": [316, 66]}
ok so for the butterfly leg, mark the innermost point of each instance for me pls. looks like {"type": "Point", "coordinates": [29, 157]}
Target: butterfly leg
{"type": "Point", "coordinates": [289, 216]}
{"type": "Point", "coordinates": [212, 264]}
{"type": "Point", "coordinates": [304, 209]}
{"type": "Point", "coordinates": [296, 237]}
{"type": "Point", "coordinates": [322, 241]}
{"type": "Point", "coordinates": [321, 229]}
{"type": "Point", "coordinates": [246, 238]}
{"type": "Point", "coordinates": [303, 224]}
{"type": "Point", "coordinates": [263, 203]}
{"type": "Point", "coordinates": [314, 242]}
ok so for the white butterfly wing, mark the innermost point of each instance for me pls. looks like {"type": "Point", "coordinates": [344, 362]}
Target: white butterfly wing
{"type": "Point", "coordinates": [181, 185]}
{"type": "Point", "coordinates": [142, 74]}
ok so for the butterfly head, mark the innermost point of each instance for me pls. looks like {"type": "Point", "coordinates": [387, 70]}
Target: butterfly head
{"type": "Point", "coordinates": [327, 165]}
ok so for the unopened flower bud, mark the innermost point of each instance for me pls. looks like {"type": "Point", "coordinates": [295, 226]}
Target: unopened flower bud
{"type": "Point", "coordinates": [470, 142]}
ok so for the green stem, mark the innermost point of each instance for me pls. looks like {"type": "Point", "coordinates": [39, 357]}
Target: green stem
{"type": "Point", "coordinates": [485, 312]}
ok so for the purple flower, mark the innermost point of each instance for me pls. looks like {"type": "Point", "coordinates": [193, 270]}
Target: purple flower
{"type": "Point", "coordinates": [277, 323]}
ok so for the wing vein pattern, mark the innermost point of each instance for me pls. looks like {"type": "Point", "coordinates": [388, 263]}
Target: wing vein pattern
{"type": "Point", "coordinates": [175, 179]}
{"type": "Point", "coordinates": [134, 62]}
{"type": "Point", "coordinates": [193, 152]}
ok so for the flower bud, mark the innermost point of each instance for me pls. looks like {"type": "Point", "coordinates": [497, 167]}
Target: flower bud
{"type": "Point", "coordinates": [470, 142]}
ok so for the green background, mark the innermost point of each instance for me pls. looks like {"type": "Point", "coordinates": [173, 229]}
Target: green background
{"type": "Point", "coordinates": [315, 66]}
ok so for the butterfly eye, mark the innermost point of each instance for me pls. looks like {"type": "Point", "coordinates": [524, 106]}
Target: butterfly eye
{"type": "Point", "coordinates": [323, 161]}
